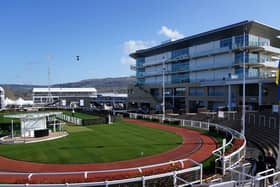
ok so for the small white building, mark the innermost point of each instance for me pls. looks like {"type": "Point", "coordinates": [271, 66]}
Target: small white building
{"type": "Point", "coordinates": [30, 122]}
{"type": "Point", "coordinates": [73, 97]}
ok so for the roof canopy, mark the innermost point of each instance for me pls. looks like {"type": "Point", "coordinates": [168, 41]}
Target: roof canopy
{"type": "Point", "coordinates": [64, 90]}
{"type": "Point", "coordinates": [32, 115]}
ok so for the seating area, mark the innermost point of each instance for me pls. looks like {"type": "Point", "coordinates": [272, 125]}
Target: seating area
{"type": "Point", "coordinates": [262, 131]}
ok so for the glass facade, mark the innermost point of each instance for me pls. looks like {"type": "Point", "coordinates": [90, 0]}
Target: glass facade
{"type": "Point", "coordinates": [226, 43]}
{"type": "Point", "coordinates": [168, 92]}
{"type": "Point", "coordinates": [140, 62]}
{"type": "Point", "coordinates": [239, 72]}
{"type": "Point", "coordinates": [249, 57]}
{"type": "Point", "coordinates": [216, 91]}
{"type": "Point", "coordinates": [239, 41]}
{"type": "Point", "coordinates": [196, 91]}
{"type": "Point", "coordinates": [180, 91]}
{"type": "Point", "coordinates": [180, 78]}
{"type": "Point", "coordinates": [140, 73]}
{"type": "Point", "coordinates": [179, 52]}
{"type": "Point", "coordinates": [140, 81]}
{"type": "Point", "coordinates": [180, 66]}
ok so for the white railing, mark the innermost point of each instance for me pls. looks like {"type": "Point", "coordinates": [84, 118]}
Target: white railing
{"type": "Point", "coordinates": [227, 161]}
{"type": "Point", "coordinates": [243, 176]}
{"type": "Point", "coordinates": [196, 170]}
{"type": "Point", "coordinates": [70, 119]}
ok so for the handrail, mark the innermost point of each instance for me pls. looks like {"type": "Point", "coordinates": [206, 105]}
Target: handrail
{"type": "Point", "coordinates": [223, 158]}
{"type": "Point", "coordinates": [181, 161]}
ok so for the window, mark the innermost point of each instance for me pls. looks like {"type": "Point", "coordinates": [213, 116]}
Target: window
{"type": "Point", "coordinates": [239, 72]}
{"type": "Point", "coordinates": [168, 92]}
{"type": "Point", "coordinates": [155, 92]}
{"type": "Point", "coordinates": [140, 62]}
{"type": "Point", "coordinates": [140, 73]}
{"type": "Point", "coordinates": [180, 66]}
{"type": "Point", "coordinates": [196, 91]}
{"type": "Point", "coordinates": [238, 41]}
{"type": "Point", "coordinates": [226, 43]}
{"type": "Point", "coordinates": [180, 91]}
{"type": "Point", "coordinates": [249, 57]}
{"type": "Point", "coordinates": [180, 78]}
{"type": "Point", "coordinates": [179, 52]}
{"type": "Point", "coordinates": [140, 81]}
{"type": "Point", "coordinates": [216, 91]}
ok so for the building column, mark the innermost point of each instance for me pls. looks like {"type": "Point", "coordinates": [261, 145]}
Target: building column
{"type": "Point", "coordinates": [260, 94]}
{"type": "Point", "coordinates": [229, 97]}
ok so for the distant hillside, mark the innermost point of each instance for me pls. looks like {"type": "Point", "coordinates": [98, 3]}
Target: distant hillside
{"type": "Point", "coordinates": [118, 85]}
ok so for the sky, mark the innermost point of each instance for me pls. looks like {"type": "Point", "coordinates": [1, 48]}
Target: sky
{"type": "Point", "coordinates": [37, 34]}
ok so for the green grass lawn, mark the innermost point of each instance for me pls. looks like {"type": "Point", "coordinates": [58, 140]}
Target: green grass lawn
{"type": "Point", "coordinates": [7, 120]}
{"type": "Point", "coordinates": [80, 115]}
{"type": "Point", "coordinates": [96, 143]}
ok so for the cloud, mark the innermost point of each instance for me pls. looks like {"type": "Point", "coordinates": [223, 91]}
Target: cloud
{"type": "Point", "coordinates": [131, 46]}
{"type": "Point", "coordinates": [169, 33]}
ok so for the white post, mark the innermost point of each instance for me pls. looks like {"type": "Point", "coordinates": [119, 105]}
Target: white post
{"type": "Point", "coordinates": [12, 129]}
{"type": "Point", "coordinates": [163, 91]}
{"type": "Point", "coordinates": [54, 127]}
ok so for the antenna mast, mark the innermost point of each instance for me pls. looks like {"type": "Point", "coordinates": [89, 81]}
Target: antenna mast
{"type": "Point", "coordinates": [50, 99]}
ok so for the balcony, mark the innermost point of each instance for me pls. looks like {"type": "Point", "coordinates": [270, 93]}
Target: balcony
{"type": "Point", "coordinates": [254, 63]}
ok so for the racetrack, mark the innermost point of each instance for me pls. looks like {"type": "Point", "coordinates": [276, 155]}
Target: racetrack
{"type": "Point", "coordinates": [196, 146]}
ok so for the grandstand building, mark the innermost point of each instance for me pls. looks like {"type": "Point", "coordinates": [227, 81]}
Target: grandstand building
{"type": "Point", "coordinates": [65, 97]}
{"type": "Point", "coordinates": [206, 70]}
{"type": "Point", "coordinates": [112, 99]}
{"type": "Point", "coordinates": [2, 98]}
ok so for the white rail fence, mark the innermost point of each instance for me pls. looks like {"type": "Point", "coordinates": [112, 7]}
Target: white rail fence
{"type": "Point", "coordinates": [194, 175]}
{"type": "Point", "coordinates": [70, 119]}
{"type": "Point", "coordinates": [227, 161]}
{"type": "Point", "coordinates": [181, 177]}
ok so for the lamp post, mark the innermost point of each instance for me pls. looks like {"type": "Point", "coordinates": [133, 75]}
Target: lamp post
{"type": "Point", "coordinates": [244, 87]}
{"type": "Point", "coordinates": [163, 90]}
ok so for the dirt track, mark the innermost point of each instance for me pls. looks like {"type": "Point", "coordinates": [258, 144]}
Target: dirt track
{"type": "Point", "coordinates": [195, 146]}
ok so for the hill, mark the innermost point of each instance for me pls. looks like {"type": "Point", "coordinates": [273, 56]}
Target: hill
{"type": "Point", "coordinates": [117, 85]}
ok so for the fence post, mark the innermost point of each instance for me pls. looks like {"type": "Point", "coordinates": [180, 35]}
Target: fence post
{"type": "Point", "coordinates": [106, 183]}
{"type": "Point", "coordinates": [86, 175]}
{"type": "Point", "coordinates": [174, 179]}
{"type": "Point", "coordinates": [143, 181]}
{"type": "Point", "coordinates": [201, 173]}
{"type": "Point", "coordinates": [29, 176]}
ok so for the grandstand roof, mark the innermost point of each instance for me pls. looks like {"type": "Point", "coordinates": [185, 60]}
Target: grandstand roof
{"type": "Point", "coordinates": [112, 95]}
{"type": "Point", "coordinates": [64, 89]}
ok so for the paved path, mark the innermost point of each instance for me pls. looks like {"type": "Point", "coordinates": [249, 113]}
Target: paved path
{"type": "Point", "coordinates": [196, 146]}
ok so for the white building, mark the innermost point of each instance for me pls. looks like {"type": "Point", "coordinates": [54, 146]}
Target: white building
{"type": "Point", "coordinates": [66, 97]}
{"type": "Point", "coordinates": [18, 103]}
{"type": "Point", "coordinates": [2, 98]}
{"type": "Point", "coordinates": [206, 70]}
{"type": "Point", "coordinates": [112, 99]}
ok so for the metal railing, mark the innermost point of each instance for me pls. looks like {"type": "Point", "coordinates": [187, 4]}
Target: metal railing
{"type": "Point", "coordinates": [193, 175]}
{"type": "Point", "coordinates": [70, 119]}
{"type": "Point", "coordinates": [227, 161]}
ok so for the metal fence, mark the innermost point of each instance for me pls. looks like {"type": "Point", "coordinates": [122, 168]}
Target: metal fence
{"type": "Point", "coordinates": [226, 161]}
{"type": "Point", "coordinates": [180, 177]}
{"type": "Point", "coordinates": [70, 119]}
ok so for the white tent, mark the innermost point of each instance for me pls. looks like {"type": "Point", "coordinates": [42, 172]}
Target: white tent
{"type": "Point", "coordinates": [19, 102]}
